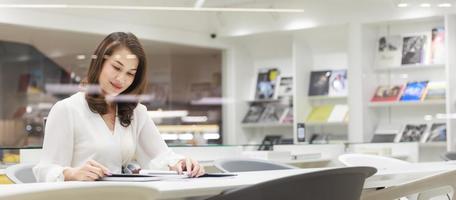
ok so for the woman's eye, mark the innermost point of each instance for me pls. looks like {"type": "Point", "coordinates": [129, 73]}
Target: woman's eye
{"type": "Point", "coordinates": [131, 74]}
{"type": "Point", "coordinates": [116, 68]}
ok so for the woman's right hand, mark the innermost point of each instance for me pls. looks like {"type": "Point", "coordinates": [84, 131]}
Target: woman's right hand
{"type": "Point", "coordinates": [90, 171]}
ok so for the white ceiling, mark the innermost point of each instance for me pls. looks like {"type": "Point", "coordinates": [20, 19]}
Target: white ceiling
{"type": "Point", "coordinates": [65, 45]}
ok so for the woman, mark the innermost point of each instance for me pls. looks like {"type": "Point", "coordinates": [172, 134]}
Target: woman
{"type": "Point", "coordinates": [88, 137]}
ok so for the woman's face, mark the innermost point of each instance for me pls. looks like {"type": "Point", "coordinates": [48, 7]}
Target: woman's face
{"type": "Point", "coordinates": [118, 71]}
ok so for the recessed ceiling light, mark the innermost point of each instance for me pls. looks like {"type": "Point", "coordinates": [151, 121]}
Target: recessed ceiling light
{"type": "Point", "coordinates": [81, 57]}
{"type": "Point", "coordinates": [402, 5]}
{"type": "Point", "coordinates": [425, 5]}
{"type": "Point", "coordinates": [156, 8]}
{"type": "Point", "coordinates": [444, 5]}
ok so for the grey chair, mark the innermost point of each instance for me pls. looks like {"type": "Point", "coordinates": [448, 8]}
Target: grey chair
{"type": "Point", "coordinates": [21, 173]}
{"type": "Point", "coordinates": [245, 165]}
{"type": "Point", "coordinates": [451, 155]}
{"type": "Point", "coordinates": [340, 183]}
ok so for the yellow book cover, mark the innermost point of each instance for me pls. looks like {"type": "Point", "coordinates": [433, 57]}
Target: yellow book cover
{"type": "Point", "coordinates": [320, 114]}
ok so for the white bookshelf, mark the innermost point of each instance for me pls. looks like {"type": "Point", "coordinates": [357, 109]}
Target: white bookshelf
{"type": "Point", "coordinates": [353, 47]}
{"type": "Point", "coordinates": [322, 124]}
{"type": "Point", "coordinates": [403, 68]}
{"type": "Point", "coordinates": [266, 125]}
{"type": "Point", "coordinates": [407, 103]}
{"type": "Point", "coordinates": [319, 98]}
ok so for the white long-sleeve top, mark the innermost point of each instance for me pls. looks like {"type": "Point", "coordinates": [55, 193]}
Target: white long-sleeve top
{"type": "Point", "coordinates": [74, 134]}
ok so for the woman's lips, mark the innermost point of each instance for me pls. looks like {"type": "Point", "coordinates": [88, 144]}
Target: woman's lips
{"type": "Point", "coordinates": [116, 86]}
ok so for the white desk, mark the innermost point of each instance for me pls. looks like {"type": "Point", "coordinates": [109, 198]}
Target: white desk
{"type": "Point", "coordinates": [184, 188]}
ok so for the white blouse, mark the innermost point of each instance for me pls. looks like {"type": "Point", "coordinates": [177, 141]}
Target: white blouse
{"type": "Point", "coordinates": [74, 134]}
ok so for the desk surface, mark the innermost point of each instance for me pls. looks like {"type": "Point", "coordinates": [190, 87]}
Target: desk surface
{"type": "Point", "coordinates": [181, 188]}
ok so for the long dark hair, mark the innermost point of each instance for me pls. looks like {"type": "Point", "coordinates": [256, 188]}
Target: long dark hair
{"type": "Point", "coordinates": [97, 102]}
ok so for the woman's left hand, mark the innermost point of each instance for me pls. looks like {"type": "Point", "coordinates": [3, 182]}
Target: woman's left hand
{"type": "Point", "coordinates": [193, 168]}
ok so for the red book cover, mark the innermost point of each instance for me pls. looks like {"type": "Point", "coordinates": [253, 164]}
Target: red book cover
{"type": "Point", "coordinates": [387, 93]}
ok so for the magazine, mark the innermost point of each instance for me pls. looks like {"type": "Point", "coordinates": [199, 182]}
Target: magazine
{"type": "Point", "coordinates": [413, 132]}
{"type": "Point", "coordinates": [273, 113]}
{"type": "Point", "coordinates": [389, 51]}
{"type": "Point", "coordinates": [414, 91]}
{"type": "Point", "coordinates": [413, 49]}
{"type": "Point", "coordinates": [338, 84]}
{"type": "Point", "coordinates": [437, 46]}
{"type": "Point", "coordinates": [435, 90]}
{"type": "Point", "coordinates": [285, 88]}
{"type": "Point", "coordinates": [266, 83]}
{"type": "Point", "coordinates": [387, 93]}
{"type": "Point", "coordinates": [319, 83]}
{"type": "Point", "coordinates": [254, 113]}
{"type": "Point", "coordinates": [437, 133]}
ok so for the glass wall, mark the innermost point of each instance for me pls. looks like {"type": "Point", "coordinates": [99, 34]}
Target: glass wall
{"type": "Point", "coordinates": [39, 67]}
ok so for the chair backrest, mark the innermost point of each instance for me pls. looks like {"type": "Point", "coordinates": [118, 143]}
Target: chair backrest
{"type": "Point", "coordinates": [379, 162]}
{"type": "Point", "coordinates": [340, 183]}
{"type": "Point", "coordinates": [449, 156]}
{"type": "Point", "coordinates": [21, 173]}
{"type": "Point", "coordinates": [245, 165]}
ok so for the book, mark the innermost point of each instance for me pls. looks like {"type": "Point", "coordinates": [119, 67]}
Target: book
{"type": "Point", "coordinates": [338, 84]}
{"type": "Point", "coordinates": [437, 133]}
{"type": "Point", "coordinates": [319, 83]}
{"type": "Point", "coordinates": [385, 93]}
{"type": "Point", "coordinates": [413, 49]}
{"type": "Point", "coordinates": [435, 90]}
{"type": "Point", "coordinates": [389, 51]}
{"type": "Point", "coordinates": [254, 113]}
{"type": "Point", "coordinates": [413, 132]}
{"type": "Point", "coordinates": [285, 88]}
{"type": "Point", "coordinates": [273, 112]}
{"type": "Point", "coordinates": [338, 113]}
{"type": "Point", "coordinates": [288, 117]}
{"type": "Point", "coordinates": [320, 113]}
{"type": "Point", "coordinates": [266, 83]}
{"type": "Point", "coordinates": [414, 91]}
{"type": "Point", "coordinates": [437, 52]}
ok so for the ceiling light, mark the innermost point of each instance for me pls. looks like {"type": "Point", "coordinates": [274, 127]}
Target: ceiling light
{"type": "Point", "coordinates": [199, 3]}
{"type": "Point", "coordinates": [425, 5]}
{"type": "Point", "coordinates": [81, 57]}
{"type": "Point", "coordinates": [157, 8]}
{"type": "Point", "coordinates": [402, 5]}
{"type": "Point", "coordinates": [444, 5]}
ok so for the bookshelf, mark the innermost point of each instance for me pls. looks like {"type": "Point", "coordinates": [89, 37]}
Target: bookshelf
{"type": "Point", "coordinates": [409, 103]}
{"type": "Point", "coordinates": [352, 47]}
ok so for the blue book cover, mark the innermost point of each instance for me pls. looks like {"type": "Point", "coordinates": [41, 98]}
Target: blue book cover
{"type": "Point", "coordinates": [413, 91]}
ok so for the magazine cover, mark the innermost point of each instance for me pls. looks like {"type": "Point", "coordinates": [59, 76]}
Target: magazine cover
{"type": "Point", "coordinates": [385, 93]}
{"type": "Point", "coordinates": [338, 84]}
{"type": "Point", "coordinates": [437, 133]}
{"type": "Point", "coordinates": [389, 51]}
{"type": "Point", "coordinates": [413, 49]}
{"type": "Point", "coordinates": [273, 113]}
{"type": "Point", "coordinates": [266, 83]}
{"type": "Point", "coordinates": [319, 83]}
{"type": "Point", "coordinates": [437, 46]}
{"type": "Point", "coordinates": [285, 88]}
{"type": "Point", "coordinates": [414, 91]}
{"type": "Point", "coordinates": [254, 113]}
{"type": "Point", "coordinates": [435, 90]}
{"type": "Point", "coordinates": [413, 132]}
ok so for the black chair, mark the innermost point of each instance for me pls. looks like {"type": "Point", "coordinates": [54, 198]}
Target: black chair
{"type": "Point", "coordinates": [340, 183]}
{"type": "Point", "coordinates": [451, 155]}
{"type": "Point", "coordinates": [246, 165]}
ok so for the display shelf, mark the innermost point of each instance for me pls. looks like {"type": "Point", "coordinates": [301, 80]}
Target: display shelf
{"type": "Point", "coordinates": [409, 103]}
{"type": "Point", "coordinates": [266, 125]}
{"type": "Point", "coordinates": [264, 101]}
{"type": "Point", "coordinates": [326, 124]}
{"type": "Point", "coordinates": [316, 98]}
{"type": "Point", "coordinates": [402, 68]}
